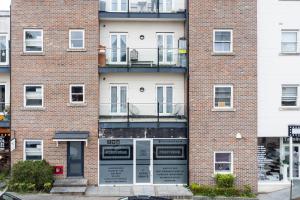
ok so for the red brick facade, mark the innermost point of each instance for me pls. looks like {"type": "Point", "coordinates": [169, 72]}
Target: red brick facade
{"type": "Point", "coordinates": [56, 69]}
{"type": "Point", "coordinates": [211, 130]}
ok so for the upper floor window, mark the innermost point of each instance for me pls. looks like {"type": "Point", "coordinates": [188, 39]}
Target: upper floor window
{"type": "Point", "coordinates": [222, 41]}
{"type": "Point", "coordinates": [33, 150]}
{"type": "Point", "coordinates": [34, 96]}
{"type": "Point", "coordinates": [223, 162]}
{"type": "Point", "coordinates": [3, 49]}
{"type": "Point", "coordinates": [77, 93]}
{"type": "Point", "coordinates": [33, 40]}
{"type": "Point", "coordinates": [289, 41]}
{"type": "Point", "coordinates": [289, 95]}
{"type": "Point", "coordinates": [223, 96]}
{"type": "Point", "coordinates": [76, 39]}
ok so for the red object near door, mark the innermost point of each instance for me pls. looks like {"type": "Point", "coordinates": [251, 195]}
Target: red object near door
{"type": "Point", "coordinates": [58, 170]}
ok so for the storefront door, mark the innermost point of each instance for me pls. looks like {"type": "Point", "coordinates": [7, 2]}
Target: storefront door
{"type": "Point", "coordinates": [143, 161]}
{"type": "Point", "coordinates": [296, 158]}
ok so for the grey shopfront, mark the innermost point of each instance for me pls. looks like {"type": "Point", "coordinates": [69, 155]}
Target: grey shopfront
{"type": "Point", "coordinates": [143, 161]}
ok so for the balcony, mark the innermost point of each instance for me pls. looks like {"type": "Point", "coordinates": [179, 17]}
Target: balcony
{"type": "Point", "coordinates": [143, 9]}
{"type": "Point", "coordinates": [143, 113]}
{"type": "Point", "coordinates": [143, 60]}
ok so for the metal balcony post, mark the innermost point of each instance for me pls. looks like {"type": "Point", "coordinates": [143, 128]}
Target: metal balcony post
{"type": "Point", "coordinates": [128, 6]}
{"type": "Point", "coordinates": [157, 6]}
{"type": "Point", "coordinates": [157, 112]}
{"type": "Point", "coordinates": [128, 58]}
{"type": "Point", "coordinates": [128, 114]}
{"type": "Point", "coordinates": [158, 57]}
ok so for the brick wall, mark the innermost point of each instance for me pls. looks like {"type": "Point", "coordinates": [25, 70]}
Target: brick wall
{"type": "Point", "coordinates": [56, 69]}
{"type": "Point", "coordinates": [215, 131]}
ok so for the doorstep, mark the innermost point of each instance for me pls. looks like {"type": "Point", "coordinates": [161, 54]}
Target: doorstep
{"type": "Point", "coordinates": [168, 191]}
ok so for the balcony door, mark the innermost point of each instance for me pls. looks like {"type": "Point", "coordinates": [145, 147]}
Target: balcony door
{"type": "Point", "coordinates": [165, 43]}
{"type": "Point", "coordinates": [164, 96]}
{"type": "Point", "coordinates": [119, 5]}
{"type": "Point", "coordinates": [3, 49]}
{"type": "Point", "coordinates": [165, 5]}
{"type": "Point", "coordinates": [2, 97]}
{"type": "Point", "coordinates": [118, 99]}
{"type": "Point", "coordinates": [118, 42]}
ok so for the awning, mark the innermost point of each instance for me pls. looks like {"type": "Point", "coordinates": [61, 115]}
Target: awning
{"type": "Point", "coordinates": [71, 136]}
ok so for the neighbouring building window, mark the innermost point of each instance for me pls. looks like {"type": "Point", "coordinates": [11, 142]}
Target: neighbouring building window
{"type": "Point", "coordinates": [33, 150]}
{"type": "Point", "coordinates": [289, 95]}
{"type": "Point", "coordinates": [223, 96]}
{"type": "Point", "coordinates": [2, 97]}
{"type": "Point", "coordinates": [3, 49]}
{"type": "Point", "coordinates": [33, 40]}
{"type": "Point", "coordinates": [33, 96]}
{"type": "Point", "coordinates": [2, 144]}
{"type": "Point", "coordinates": [223, 162]}
{"type": "Point", "coordinates": [289, 41]}
{"type": "Point", "coordinates": [77, 94]}
{"type": "Point", "coordinates": [76, 39]}
{"type": "Point", "coordinates": [222, 41]}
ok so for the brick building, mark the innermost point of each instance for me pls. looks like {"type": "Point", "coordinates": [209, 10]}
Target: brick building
{"type": "Point", "coordinates": [111, 92]}
{"type": "Point", "coordinates": [223, 90]}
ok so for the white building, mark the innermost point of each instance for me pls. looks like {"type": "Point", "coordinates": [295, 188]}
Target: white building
{"type": "Point", "coordinates": [278, 87]}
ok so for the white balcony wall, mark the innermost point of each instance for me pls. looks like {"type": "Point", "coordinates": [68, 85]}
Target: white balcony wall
{"type": "Point", "coordinates": [135, 29]}
{"type": "Point", "coordinates": [275, 69]}
{"type": "Point", "coordinates": [145, 101]}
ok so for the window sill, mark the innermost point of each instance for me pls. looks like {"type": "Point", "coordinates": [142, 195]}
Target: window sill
{"type": "Point", "coordinates": [32, 53]}
{"type": "Point", "coordinates": [76, 50]}
{"type": "Point", "coordinates": [34, 108]}
{"type": "Point", "coordinates": [295, 108]}
{"type": "Point", "coordinates": [289, 54]}
{"type": "Point", "coordinates": [77, 104]}
{"type": "Point", "coordinates": [223, 54]}
{"type": "Point", "coordinates": [223, 110]}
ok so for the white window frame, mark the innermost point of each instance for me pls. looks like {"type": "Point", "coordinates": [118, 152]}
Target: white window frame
{"type": "Point", "coordinates": [231, 163]}
{"type": "Point", "coordinates": [289, 85]}
{"type": "Point", "coordinates": [70, 38]}
{"type": "Point", "coordinates": [83, 93]}
{"type": "Point", "coordinates": [24, 40]}
{"type": "Point", "coordinates": [118, 34]}
{"type": "Point", "coordinates": [29, 140]}
{"type": "Point", "coordinates": [24, 94]}
{"type": "Point", "coordinates": [297, 36]}
{"type": "Point", "coordinates": [231, 40]}
{"type": "Point", "coordinates": [7, 50]}
{"type": "Point", "coordinates": [5, 100]}
{"type": "Point", "coordinates": [231, 97]}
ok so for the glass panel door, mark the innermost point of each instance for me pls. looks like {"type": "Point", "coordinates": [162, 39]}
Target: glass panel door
{"type": "Point", "coordinates": [2, 98]}
{"type": "Point", "coordinates": [165, 43]}
{"type": "Point", "coordinates": [119, 5]}
{"type": "Point", "coordinates": [118, 42]}
{"type": "Point", "coordinates": [164, 96]}
{"type": "Point", "coordinates": [165, 5]}
{"type": "Point", "coordinates": [296, 156]}
{"type": "Point", "coordinates": [118, 99]}
{"type": "Point", "coordinates": [143, 162]}
{"type": "Point", "coordinates": [75, 159]}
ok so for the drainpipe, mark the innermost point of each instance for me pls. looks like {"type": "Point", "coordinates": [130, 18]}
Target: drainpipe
{"type": "Point", "coordinates": [188, 89]}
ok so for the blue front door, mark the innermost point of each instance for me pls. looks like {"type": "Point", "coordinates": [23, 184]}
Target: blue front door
{"type": "Point", "coordinates": [75, 154]}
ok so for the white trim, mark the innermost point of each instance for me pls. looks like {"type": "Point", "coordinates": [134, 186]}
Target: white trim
{"type": "Point", "coordinates": [231, 97]}
{"type": "Point", "coordinates": [83, 38]}
{"type": "Point", "coordinates": [71, 140]}
{"type": "Point", "coordinates": [29, 140]}
{"type": "Point", "coordinates": [118, 34]}
{"type": "Point", "coordinates": [165, 49]}
{"type": "Point", "coordinates": [231, 40]}
{"type": "Point", "coordinates": [70, 93]}
{"type": "Point", "coordinates": [24, 94]}
{"type": "Point", "coordinates": [164, 86]}
{"type": "Point", "coordinates": [7, 49]}
{"type": "Point", "coordinates": [118, 98]}
{"type": "Point", "coordinates": [24, 40]}
{"type": "Point", "coordinates": [231, 163]}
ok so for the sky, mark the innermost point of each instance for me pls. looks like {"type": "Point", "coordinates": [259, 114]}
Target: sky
{"type": "Point", "coordinates": [4, 4]}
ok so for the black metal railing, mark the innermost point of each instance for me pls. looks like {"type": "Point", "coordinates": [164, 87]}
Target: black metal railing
{"type": "Point", "coordinates": [143, 6]}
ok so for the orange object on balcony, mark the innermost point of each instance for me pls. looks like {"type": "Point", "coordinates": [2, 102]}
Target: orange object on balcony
{"type": "Point", "coordinates": [101, 56]}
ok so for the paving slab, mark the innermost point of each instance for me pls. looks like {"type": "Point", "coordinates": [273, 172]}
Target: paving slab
{"type": "Point", "coordinates": [68, 190]}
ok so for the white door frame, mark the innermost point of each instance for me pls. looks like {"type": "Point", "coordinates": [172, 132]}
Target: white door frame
{"type": "Point", "coordinates": [165, 49]}
{"type": "Point", "coordinates": [164, 113]}
{"type": "Point", "coordinates": [151, 160]}
{"type": "Point", "coordinates": [283, 154]}
{"type": "Point", "coordinates": [118, 99]}
{"type": "Point", "coordinates": [119, 51]}
{"type": "Point", "coordinates": [7, 49]}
